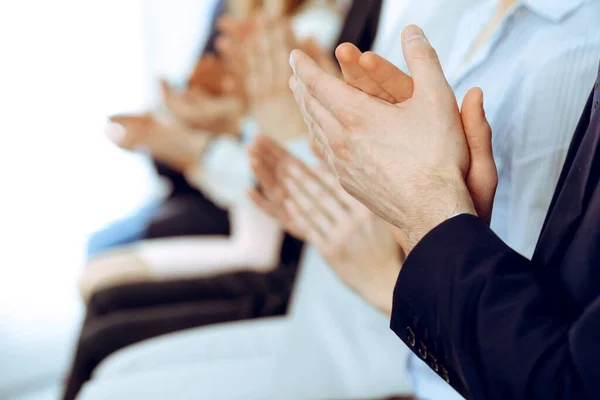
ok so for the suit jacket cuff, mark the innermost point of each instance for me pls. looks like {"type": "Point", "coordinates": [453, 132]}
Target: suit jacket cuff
{"type": "Point", "coordinates": [422, 311]}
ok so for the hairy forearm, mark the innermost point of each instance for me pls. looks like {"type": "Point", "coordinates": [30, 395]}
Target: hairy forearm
{"type": "Point", "coordinates": [434, 199]}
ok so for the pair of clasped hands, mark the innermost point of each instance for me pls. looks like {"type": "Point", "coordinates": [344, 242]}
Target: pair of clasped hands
{"type": "Point", "coordinates": [249, 77]}
{"type": "Point", "coordinates": [399, 158]}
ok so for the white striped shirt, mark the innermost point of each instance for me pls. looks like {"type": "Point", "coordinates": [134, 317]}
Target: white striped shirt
{"type": "Point", "coordinates": [536, 72]}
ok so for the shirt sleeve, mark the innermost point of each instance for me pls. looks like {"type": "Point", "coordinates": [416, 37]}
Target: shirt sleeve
{"type": "Point", "coordinates": [471, 308]}
{"type": "Point", "coordinates": [551, 103]}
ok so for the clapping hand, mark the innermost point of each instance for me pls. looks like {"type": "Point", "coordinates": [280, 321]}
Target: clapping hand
{"type": "Point", "coordinates": [311, 204]}
{"type": "Point", "coordinates": [381, 79]}
{"type": "Point", "coordinates": [408, 161]}
{"type": "Point", "coordinates": [268, 72]}
{"type": "Point", "coordinates": [170, 143]}
{"type": "Point", "coordinates": [199, 109]}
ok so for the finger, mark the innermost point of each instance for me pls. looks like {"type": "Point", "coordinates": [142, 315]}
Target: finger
{"type": "Point", "coordinates": [238, 28]}
{"type": "Point", "coordinates": [264, 173]}
{"type": "Point", "coordinates": [332, 182]}
{"type": "Point", "coordinates": [348, 57]}
{"type": "Point", "coordinates": [299, 220]}
{"type": "Point", "coordinates": [231, 54]}
{"type": "Point", "coordinates": [277, 211]}
{"type": "Point", "coordinates": [322, 194]}
{"type": "Point", "coordinates": [309, 201]}
{"type": "Point", "coordinates": [266, 158]}
{"type": "Point", "coordinates": [316, 148]}
{"type": "Point", "coordinates": [322, 125]}
{"type": "Point", "coordinates": [131, 120]}
{"type": "Point", "coordinates": [396, 83]}
{"type": "Point", "coordinates": [267, 148]}
{"type": "Point", "coordinates": [116, 133]}
{"type": "Point", "coordinates": [423, 63]}
{"type": "Point", "coordinates": [264, 53]}
{"type": "Point", "coordinates": [284, 42]}
{"type": "Point", "coordinates": [482, 177]}
{"type": "Point", "coordinates": [326, 89]}
{"type": "Point", "coordinates": [273, 209]}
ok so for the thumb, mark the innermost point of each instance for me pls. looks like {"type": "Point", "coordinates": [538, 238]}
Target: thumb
{"type": "Point", "coordinates": [482, 177]}
{"type": "Point", "coordinates": [422, 61]}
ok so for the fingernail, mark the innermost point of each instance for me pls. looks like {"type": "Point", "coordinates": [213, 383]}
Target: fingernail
{"type": "Point", "coordinates": [115, 132]}
{"type": "Point", "coordinates": [293, 83]}
{"type": "Point", "coordinates": [413, 32]}
{"type": "Point", "coordinates": [292, 64]}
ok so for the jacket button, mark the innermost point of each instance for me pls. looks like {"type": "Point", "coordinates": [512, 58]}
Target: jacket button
{"type": "Point", "coordinates": [433, 363]}
{"type": "Point", "coordinates": [412, 339]}
{"type": "Point", "coordinates": [445, 375]}
{"type": "Point", "coordinates": [422, 350]}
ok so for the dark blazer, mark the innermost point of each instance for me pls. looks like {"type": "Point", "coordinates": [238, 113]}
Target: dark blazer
{"type": "Point", "coordinates": [498, 326]}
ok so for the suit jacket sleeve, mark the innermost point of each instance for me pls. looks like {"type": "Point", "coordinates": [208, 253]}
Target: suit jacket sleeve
{"type": "Point", "coordinates": [472, 309]}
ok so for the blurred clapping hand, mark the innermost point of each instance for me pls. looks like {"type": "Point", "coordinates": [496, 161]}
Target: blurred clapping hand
{"type": "Point", "coordinates": [198, 109]}
{"type": "Point", "coordinates": [311, 204]}
{"type": "Point", "coordinates": [266, 60]}
{"type": "Point", "coordinates": [172, 143]}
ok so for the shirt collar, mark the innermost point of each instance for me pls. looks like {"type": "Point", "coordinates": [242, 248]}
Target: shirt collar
{"type": "Point", "coordinates": [554, 10]}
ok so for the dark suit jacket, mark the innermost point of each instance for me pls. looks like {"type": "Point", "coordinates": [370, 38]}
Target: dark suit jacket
{"type": "Point", "coordinates": [497, 326]}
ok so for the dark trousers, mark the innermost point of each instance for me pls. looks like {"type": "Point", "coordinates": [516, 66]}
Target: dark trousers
{"type": "Point", "coordinates": [184, 213]}
{"type": "Point", "coordinates": [124, 315]}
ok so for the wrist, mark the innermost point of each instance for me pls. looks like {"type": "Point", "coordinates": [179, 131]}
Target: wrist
{"type": "Point", "coordinates": [444, 197]}
{"type": "Point", "coordinates": [381, 292]}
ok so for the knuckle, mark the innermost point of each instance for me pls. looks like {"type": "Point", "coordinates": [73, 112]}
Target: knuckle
{"type": "Point", "coordinates": [423, 53]}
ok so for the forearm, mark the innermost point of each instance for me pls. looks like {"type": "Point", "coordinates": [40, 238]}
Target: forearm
{"type": "Point", "coordinates": [253, 244]}
{"type": "Point", "coordinates": [471, 307]}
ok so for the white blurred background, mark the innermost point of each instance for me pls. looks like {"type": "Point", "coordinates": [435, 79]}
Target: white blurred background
{"type": "Point", "coordinates": [65, 65]}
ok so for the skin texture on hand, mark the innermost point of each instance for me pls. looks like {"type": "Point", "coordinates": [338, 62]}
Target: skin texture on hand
{"type": "Point", "coordinates": [172, 144]}
{"type": "Point", "coordinates": [381, 79]}
{"type": "Point", "coordinates": [266, 157]}
{"type": "Point", "coordinates": [311, 204]}
{"type": "Point", "coordinates": [407, 162]}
